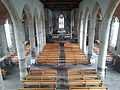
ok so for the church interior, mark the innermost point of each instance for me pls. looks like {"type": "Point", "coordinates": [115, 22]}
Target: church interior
{"type": "Point", "coordinates": [59, 45]}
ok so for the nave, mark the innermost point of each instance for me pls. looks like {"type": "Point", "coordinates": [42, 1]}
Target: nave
{"type": "Point", "coordinates": [59, 44]}
{"type": "Point", "coordinates": [57, 73]}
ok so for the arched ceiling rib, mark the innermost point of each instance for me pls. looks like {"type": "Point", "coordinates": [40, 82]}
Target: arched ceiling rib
{"type": "Point", "coordinates": [3, 13]}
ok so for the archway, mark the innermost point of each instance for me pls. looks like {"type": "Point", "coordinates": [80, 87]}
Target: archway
{"type": "Point", "coordinates": [105, 27]}
{"type": "Point", "coordinates": [113, 50]}
{"type": "Point", "coordinates": [94, 33]}
{"type": "Point", "coordinates": [7, 41]}
{"type": "Point", "coordinates": [98, 24]}
{"type": "Point", "coordinates": [8, 17]}
{"type": "Point", "coordinates": [18, 27]}
{"type": "Point", "coordinates": [113, 34]}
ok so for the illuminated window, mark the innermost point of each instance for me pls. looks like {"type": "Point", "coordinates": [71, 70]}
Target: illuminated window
{"type": "Point", "coordinates": [8, 33]}
{"type": "Point", "coordinates": [61, 21]}
{"type": "Point", "coordinates": [114, 32]}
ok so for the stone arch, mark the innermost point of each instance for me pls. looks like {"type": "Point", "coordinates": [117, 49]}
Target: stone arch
{"type": "Point", "coordinates": [13, 19]}
{"type": "Point", "coordinates": [109, 14]}
{"type": "Point", "coordinates": [11, 10]}
{"type": "Point", "coordinates": [87, 11]}
{"type": "Point", "coordinates": [105, 29]}
{"type": "Point", "coordinates": [19, 42]}
{"type": "Point", "coordinates": [111, 9]}
{"type": "Point", "coordinates": [96, 17]}
{"type": "Point", "coordinates": [27, 11]}
{"type": "Point", "coordinates": [96, 9]}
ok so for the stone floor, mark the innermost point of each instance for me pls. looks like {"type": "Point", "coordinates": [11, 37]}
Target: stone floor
{"type": "Point", "coordinates": [12, 82]}
{"type": "Point", "coordinates": [112, 80]}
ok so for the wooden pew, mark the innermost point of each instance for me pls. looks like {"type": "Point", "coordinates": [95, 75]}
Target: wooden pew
{"type": "Point", "coordinates": [89, 88]}
{"type": "Point", "coordinates": [36, 89]}
{"type": "Point", "coordinates": [43, 71]}
{"type": "Point", "coordinates": [40, 78]}
{"type": "Point", "coordinates": [39, 83]}
{"type": "Point", "coordinates": [50, 54]}
{"type": "Point", "coordinates": [74, 55]}
{"type": "Point", "coordinates": [83, 77]}
{"type": "Point", "coordinates": [75, 83]}
{"type": "Point", "coordinates": [81, 71]}
{"type": "Point", "coordinates": [31, 77]}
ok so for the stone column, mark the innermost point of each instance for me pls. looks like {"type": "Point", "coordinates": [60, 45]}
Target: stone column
{"type": "Point", "coordinates": [111, 35]}
{"type": "Point", "coordinates": [99, 31]}
{"type": "Point", "coordinates": [4, 45]}
{"type": "Point", "coordinates": [91, 36]}
{"type": "Point", "coordinates": [118, 42]}
{"type": "Point", "coordinates": [37, 34]}
{"type": "Point", "coordinates": [39, 27]}
{"type": "Point", "coordinates": [105, 30]}
{"type": "Point", "coordinates": [31, 38]}
{"type": "Point", "coordinates": [41, 35]}
{"type": "Point", "coordinates": [31, 33]}
{"type": "Point", "coordinates": [85, 33]}
{"type": "Point", "coordinates": [81, 32]}
{"type": "Point", "coordinates": [19, 38]}
{"type": "Point", "coordinates": [13, 37]}
{"type": "Point", "coordinates": [44, 29]}
{"type": "Point", "coordinates": [72, 22]}
{"type": "Point", "coordinates": [78, 26]}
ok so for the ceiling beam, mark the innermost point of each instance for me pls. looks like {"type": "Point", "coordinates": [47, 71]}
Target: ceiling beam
{"type": "Point", "coordinates": [61, 4]}
{"type": "Point", "coordinates": [60, 0]}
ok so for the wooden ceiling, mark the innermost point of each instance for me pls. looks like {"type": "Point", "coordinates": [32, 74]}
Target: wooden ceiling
{"type": "Point", "coordinates": [117, 12]}
{"type": "Point", "coordinates": [61, 4]}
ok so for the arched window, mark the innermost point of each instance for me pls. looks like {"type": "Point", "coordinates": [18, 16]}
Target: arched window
{"type": "Point", "coordinates": [61, 21]}
{"type": "Point", "coordinates": [8, 32]}
{"type": "Point", "coordinates": [114, 32]}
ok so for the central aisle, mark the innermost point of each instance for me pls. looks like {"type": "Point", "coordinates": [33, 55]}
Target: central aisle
{"type": "Point", "coordinates": [62, 80]}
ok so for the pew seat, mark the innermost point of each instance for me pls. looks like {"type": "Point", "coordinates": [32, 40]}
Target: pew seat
{"type": "Point", "coordinates": [88, 88]}
{"type": "Point", "coordinates": [31, 77]}
{"type": "Point", "coordinates": [83, 77]}
{"type": "Point", "coordinates": [85, 83]}
{"type": "Point", "coordinates": [36, 89]}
